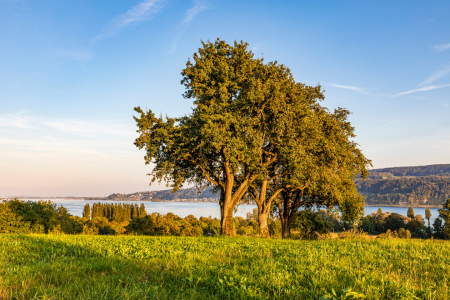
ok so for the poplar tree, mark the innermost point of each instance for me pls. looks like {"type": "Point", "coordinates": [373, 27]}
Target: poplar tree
{"type": "Point", "coordinates": [444, 213]}
{"type": "Point", "coordinates": [410, 213]}
{"type": "Point", "coordinates": [142, 212]}
{"type": "Point", "coordinates": [87, 211]}
{"type": "Point", "coordinates": [428, 215]}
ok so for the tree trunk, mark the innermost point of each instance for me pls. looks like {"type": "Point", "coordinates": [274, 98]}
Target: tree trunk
{"type": "Point", "coordinates": [227, 221]}
{"type": "Point", "coordinates": [263, 228]}
{"type": "Point", "coordinates": [286, 213]}
{"type": "Point", "coordinates": [285, 229]}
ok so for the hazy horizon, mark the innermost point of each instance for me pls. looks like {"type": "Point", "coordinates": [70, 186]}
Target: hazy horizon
{"type": "Point", "coordinates": [71, 74]}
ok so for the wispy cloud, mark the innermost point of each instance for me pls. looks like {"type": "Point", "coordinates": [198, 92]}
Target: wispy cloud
{"type": "Point", "coordinates": [140, 12]}
{"type": "Point", "coordinates": [17, 120]}
{"type": "Point", "coordinates": [423, 89]}
{"type": "Point", "coordinates": [440, 48]}
{"type": "Point", "coordinates": [87, 128]}
{"type": "Point", "coordinates": [189, 15]}
{"type": "Point", "coordinates": [74, 54]}
{"type": "Point", "coordinates": [436, 75]}
{"type": "Point", "coordinates": [347, 87]}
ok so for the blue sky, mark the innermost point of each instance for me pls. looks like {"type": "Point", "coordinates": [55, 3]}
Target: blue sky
{"type": "Point", "coordinates": [72, 71]}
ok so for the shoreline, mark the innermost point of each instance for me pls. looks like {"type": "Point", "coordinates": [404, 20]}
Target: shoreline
{"type": "Point", "coordinates": [414, 206]}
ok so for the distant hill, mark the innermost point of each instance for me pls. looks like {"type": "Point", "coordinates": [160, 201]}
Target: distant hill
{"type": "Point", "coordinates": [419, 185]}
{"type": "Point", "coordinates": [438, 170]}
{"type": "Point", "coordinates": [189, 193]}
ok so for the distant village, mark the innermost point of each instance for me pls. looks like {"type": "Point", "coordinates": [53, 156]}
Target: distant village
{"type": "Point", "coordinates": [183, 195]}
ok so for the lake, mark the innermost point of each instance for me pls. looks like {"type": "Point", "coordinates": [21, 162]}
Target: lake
{"type": "Point", "coordinates": [183, 209]}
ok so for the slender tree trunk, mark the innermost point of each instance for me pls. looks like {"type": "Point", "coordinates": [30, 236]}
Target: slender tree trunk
{"type": "Point", "coordinates": [263, 228]}
{"type": "Point", "coordinates": [227, 219]}
{"type": "Point", "coordinates": [227, 223]}
{"type": "Point", "coordinates": [285, 229]}
{"type": "Point", "coordinates": [222, 205]}
{"type": "Point", "coordinates": [286, 214]}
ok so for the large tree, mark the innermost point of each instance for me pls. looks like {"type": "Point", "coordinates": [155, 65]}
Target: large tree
{"type": "Point", "coordinates": [250, 125]}
{"type": "Point", "coordinates": [218, 143]}
{"type": "Point", "coordinates": [330, 162]}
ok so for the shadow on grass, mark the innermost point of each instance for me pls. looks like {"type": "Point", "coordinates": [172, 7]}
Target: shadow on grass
{"type": "Point", "coordinates": [48, 268]}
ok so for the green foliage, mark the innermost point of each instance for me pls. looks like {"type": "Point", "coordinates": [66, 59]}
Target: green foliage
{"type": "Point", "coordinates": [18, 216]}
{"type": "Point", "coordinates": [142, 211]}
{"type": "Point", "coordinates": [250, 124]}
{"type": "Point", "coordinates": [309, 225]}
{"type": "Point", "coordinates": [410, 213]}
{"type": "Point", "coordinates": [367, 224]}
{"type": "Point", "coordinates": [166, 225]}
{"type": "Point", "coordinates": [394, 222]}
{"type": "Point", "coordinates": [438, 228]}
{"type": "Point", "coordinates": [387, 235]}
{"type": "Point", "coordinates": [352, 233]}
{"type": "Point", "coordinates": [403, 233]}
{"type": "Point", "coordinates": [428, 215]}
{"type": "Point", "coordinates": [98, 225]}
{"type": "Point", "coordinates": [87, 211]}
{"type": "Point", "coordinates": [444, 213]}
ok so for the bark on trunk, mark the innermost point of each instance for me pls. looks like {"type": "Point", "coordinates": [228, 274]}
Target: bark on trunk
{"type": "Point", "coordinates": [263, 228]}
{"type": "Point", "coordinates": [227, 222]}
{"type": "Point", "coordinates": [285, 229]}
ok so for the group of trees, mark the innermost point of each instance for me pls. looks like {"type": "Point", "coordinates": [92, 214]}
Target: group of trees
{"type": "Point", "coordinates": [18, 216]}
{"type": "Point", "coordinates": [254, 133]}
{"type": "Point", "coordinates": [414, 225]}
{"type": "Point", "coordinates": [118, 212]}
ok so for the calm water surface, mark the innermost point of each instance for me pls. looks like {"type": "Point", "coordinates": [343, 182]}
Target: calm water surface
{"type": "Point", "coordinates": [183, 209]}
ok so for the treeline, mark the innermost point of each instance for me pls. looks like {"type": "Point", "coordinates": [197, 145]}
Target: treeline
{"type": "Point", "coordinates": [429, 190]}
{"type": "Point", "coordinates": [440, 170]}
{"type": "Point", "coordinates": [408, 226]}
{"type": "Point", "coordinates": [18, 216]}
{"type": "Point", "coordinates": [118, 212]}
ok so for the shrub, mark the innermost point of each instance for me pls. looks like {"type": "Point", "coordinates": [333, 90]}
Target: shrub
{"type": "Point", "coordinates": [310, 225]}
{"type": "Point", "coordinates": [353, 234]}
{"type": "Point", "coordinates": [403, 234]}
{"type": "Point", "coordinates": [98, 225]}
{"type": "Point", "coordinates": [387, 235]}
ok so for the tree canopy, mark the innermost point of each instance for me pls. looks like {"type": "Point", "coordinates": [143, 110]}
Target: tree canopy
{"type": "Point", "coordinates": [253, 130]}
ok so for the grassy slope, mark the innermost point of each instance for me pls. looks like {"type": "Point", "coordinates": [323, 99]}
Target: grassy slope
{"type": "Point", "coordinates": [110, 267]}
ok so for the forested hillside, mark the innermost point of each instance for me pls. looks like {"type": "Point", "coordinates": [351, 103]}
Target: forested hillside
{"type": "Point", "coordinates": [420, 185]}
{"type": "Point", "coordinates": [189, 193]}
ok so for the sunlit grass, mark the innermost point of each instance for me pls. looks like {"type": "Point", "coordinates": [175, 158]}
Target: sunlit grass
{"type": "Point", "coordinates": [124, 267]}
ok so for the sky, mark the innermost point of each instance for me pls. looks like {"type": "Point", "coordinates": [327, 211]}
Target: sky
{"type": "Point", "coordinates": [71, 73]}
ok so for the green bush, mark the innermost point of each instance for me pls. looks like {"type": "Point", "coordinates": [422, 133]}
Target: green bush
{"type": "Point", "coordinates": [309, 225]}
{"type": "Point", "coordinates": [404, 234]}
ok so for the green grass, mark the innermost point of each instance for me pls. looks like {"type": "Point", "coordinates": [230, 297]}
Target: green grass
{"type": "Point", "coordinates": [124, 267]}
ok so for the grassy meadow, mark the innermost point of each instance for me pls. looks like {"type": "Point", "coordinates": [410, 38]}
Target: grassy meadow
{"type": "Point", "coordinates": [127, 267]}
